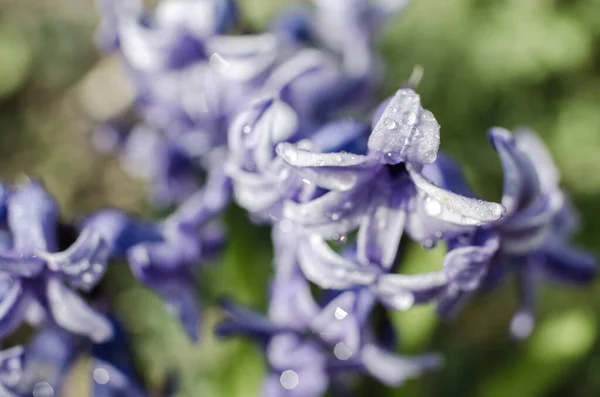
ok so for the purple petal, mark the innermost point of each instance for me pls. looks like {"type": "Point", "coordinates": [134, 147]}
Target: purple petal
{"type": "Point", "coordinates": [331, 215]}
{"type": "Point", "coordinates": [85, 262]}
{"type": "Point", "coordinates": [568, 264]}
{"type": "Point", "coordinates": [74, 314]}
{"type": "Point", "coordinates": [11, 366]}
{"type": "Point", "coordinates": [405, 132]}
{"type": "Point", "coordinates": [521, 183]}
{"type": "Point", "coordinates": [21, 265]}
{"type": "Point", "coordinates": [466, 266]}
{"type": "Point", "coordinates": [335, 171]}
{"type": "Point", "coordinates": [292, 304]}
{"type": "Point", "coordinates": [401, 291]}
{"type": "Point", "coordinates": [242, 321]}
{"type": "Point", "coordinates": [309, 381]}
{"type": "Point", "coordinates": [328, 269]}
{"type": "Point", "coordinates": [454, 208]}
{"type": "Point", "coordinates": [392, 369]}
{"type": "Point", "coordinates": [380, 231]}
{"type": "Point", "coordinates": [180, 297]}
{"type": "Point", "coordinates": [530, 143]}
{"type": "Point", "coordinates": [14, 301]}
{"type": "Point", "coordinates": [32, 219]}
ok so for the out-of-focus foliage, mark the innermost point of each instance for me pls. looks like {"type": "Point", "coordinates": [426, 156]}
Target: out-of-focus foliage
{"type": "Point", "coordinates": [486, 62]}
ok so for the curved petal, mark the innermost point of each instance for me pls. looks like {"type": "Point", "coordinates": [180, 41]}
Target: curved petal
{"type": "Point", "coordinates": [21, 265]}
{"type": "Point", "coordinates": [335, 171]}
{"type": "Point", "coordinates": [240, 320]}
{"type": "Point", "coordinates": [181, 301]}
{"type": "Point", "coordinates": [393, 369]}
{"type": "Point", "coordinates": [331, 215]}
{"type": "Point", "coordinates": [83, 263]}
{"type": "Point", "coordinates": [243, 57]}
{"type": "Point", "coordinates": [521, 183]}
{"type": "Point", "coordinates": [454, 208]}
{"type": "Point", "coordinates": [567, 264]}
{"type": "Point", "coordinates": [401, 291]}
{"type": "Point", "coordinates": [72, 313]}
{"type": "Point", "coordinates": [381, 229]}
{"type": "Point", "coordinates": [32, 219]}
{"type": "Point", "coordinates": [328, 269]}
{"type": "Point", "coordinates": [13, 305]}
{"type": "Point", "coordinates": [530, 143]}
{"type": "Point", "coordinates": [467, 266]}
{"type": "Point", "coordinates": [405, 132]}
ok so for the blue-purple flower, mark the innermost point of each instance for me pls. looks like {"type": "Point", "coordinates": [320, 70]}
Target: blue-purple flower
{"type": "Point", "coordinates": [164, 254]}
{"type": "Point", "coordinates": [11, 370]}
{"type": "Point", "coordinates": [37, 279]}
{"type": "Point", "coordinates": [308, 345]}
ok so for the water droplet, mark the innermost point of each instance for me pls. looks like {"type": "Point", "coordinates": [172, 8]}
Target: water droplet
{"type": "Point", "coordinates": [335, 236]}
{"type": "Point", "coordinates": [289, 379]}
{"type": "Point", "coordinates": [390, 124]}
{"type": "Point", "coordinates": [335, 216]}
{"type": "Point", "coordinates": [306, 181]}
{"type": "Point", "coordinates": [340, 313]}
{"type": "Point", "coordinates": [43, 389]}
{"type": "Point", "coordinates": [428, 244]}
{"type": "Point", "coordinates": [403, 301]}
{"type": "Point", "coordinates": [247, 129]}
{"type": "Point", "coordinates": [87, 278]}
{"type": "Point", "coordinates": [338, 158]}
{"type": "Point", "coordinates": [97, 268]}
{"type": "Point", "coordinates": [432, 206]}
{"type": "Point", "coordinates": [347, 205]}
{"type": "Point", "coordinates": [439, 234]}
{"type": "Point", "coordinates": [342, 352]}
{"type": "Point", "coordinates": [217, 63]}
{"type": "Point", "coordinates": [409, 117]}
{"type": "Point", "coordinates": [101, 376]}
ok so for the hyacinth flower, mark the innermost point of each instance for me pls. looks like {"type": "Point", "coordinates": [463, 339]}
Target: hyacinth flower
{"type": "Point", "coordinates": [164, 254]}
{"type": "Point", "coordinates": [308, 345]}
{"type": "Point", "coordinates": [382, 189]}
{"type": "Point", "coordinates": [538, 224]}
{"type": "Point", "coordinates": [37, 280]}
{"type": "Point", "coordinates": [261, 180]}
{"type": "Point", "coordinates": [11, 370]}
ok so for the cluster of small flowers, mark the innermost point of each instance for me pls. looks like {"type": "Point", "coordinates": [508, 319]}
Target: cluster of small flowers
{"type": "Point", "coordinates": [262, 119]}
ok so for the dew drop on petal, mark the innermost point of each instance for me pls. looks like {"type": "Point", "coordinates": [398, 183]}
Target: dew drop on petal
{"type": "Point", "coordinates": [289, 379]}
{"type": "Point", "coordinates": [390, 124]}
{"type": "Point", "coordinates": [87, 278]}
{"type": "Point", "coordinates": [409, 117]}
{"type": "Point", "coordinates": [335, 216]}
{"type": "Point", "coordinates": [340, 313]}
{"type": "Point", "coordinates": [247, 129]}
{"type": "Point", "coordinates": [432, 206]}
{"type": "Point", "coordinates": [342, 352]}
{"type": "Point", "coordinates": [403, 301]}
{"type": "Point", "coordinates": [101, 376]}
{"type": "Point", "coordinates": [43, 389]}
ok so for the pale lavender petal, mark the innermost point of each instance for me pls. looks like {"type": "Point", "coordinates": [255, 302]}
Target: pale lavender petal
{"type": "Point", "coordinates": [21, 265]}
{"type": "Point", "coordinates": [393, 369]}
{"type": "Point", "coordinates": [530, 143]}
{"type": "Point", "coordinates": [380, 232]}
{"type": "Point", "coordinates": [454, 208]}
{"type": "Point", "coordinates": [567, 264]}
{"type": "Point", "coordinates": [328, 269]}
{"type": "Point", "coordinates": [466, 266]}
{"type": "Point", "coordinates": [335, 171]}
{"type": "Point", "coordinates": [14, 301]}
{"type": "Point", "coordinates": [331, 215]}
{"type": "Point", "coordinates": [405, 132]}
{"type": "Point", "coordinates": [74, 314]}
{"type": "Point", "coordinates": [401, 292]}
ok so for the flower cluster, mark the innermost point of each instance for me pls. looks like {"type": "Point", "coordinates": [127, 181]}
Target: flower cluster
{"type": "Point", "coordinates": [262, 119]}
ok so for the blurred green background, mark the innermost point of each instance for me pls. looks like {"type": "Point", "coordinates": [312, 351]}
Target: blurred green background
{"type": "Point", "coordinates": [486, 62]}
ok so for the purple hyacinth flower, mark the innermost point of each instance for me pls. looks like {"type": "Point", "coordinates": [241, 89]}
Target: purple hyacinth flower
{"type": "Point", "coordinates": [35, 275]}
{"type": "Point", "coordinates": [307, 344]}
{"type": "Point", "coordinates": [11, 370]}
{"type": "Point", "coordinates": [535, 232]}
{"type": "Point", "coordinates": [164, 254]}
{"type": "Point", "coordinates": [380, 189]}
